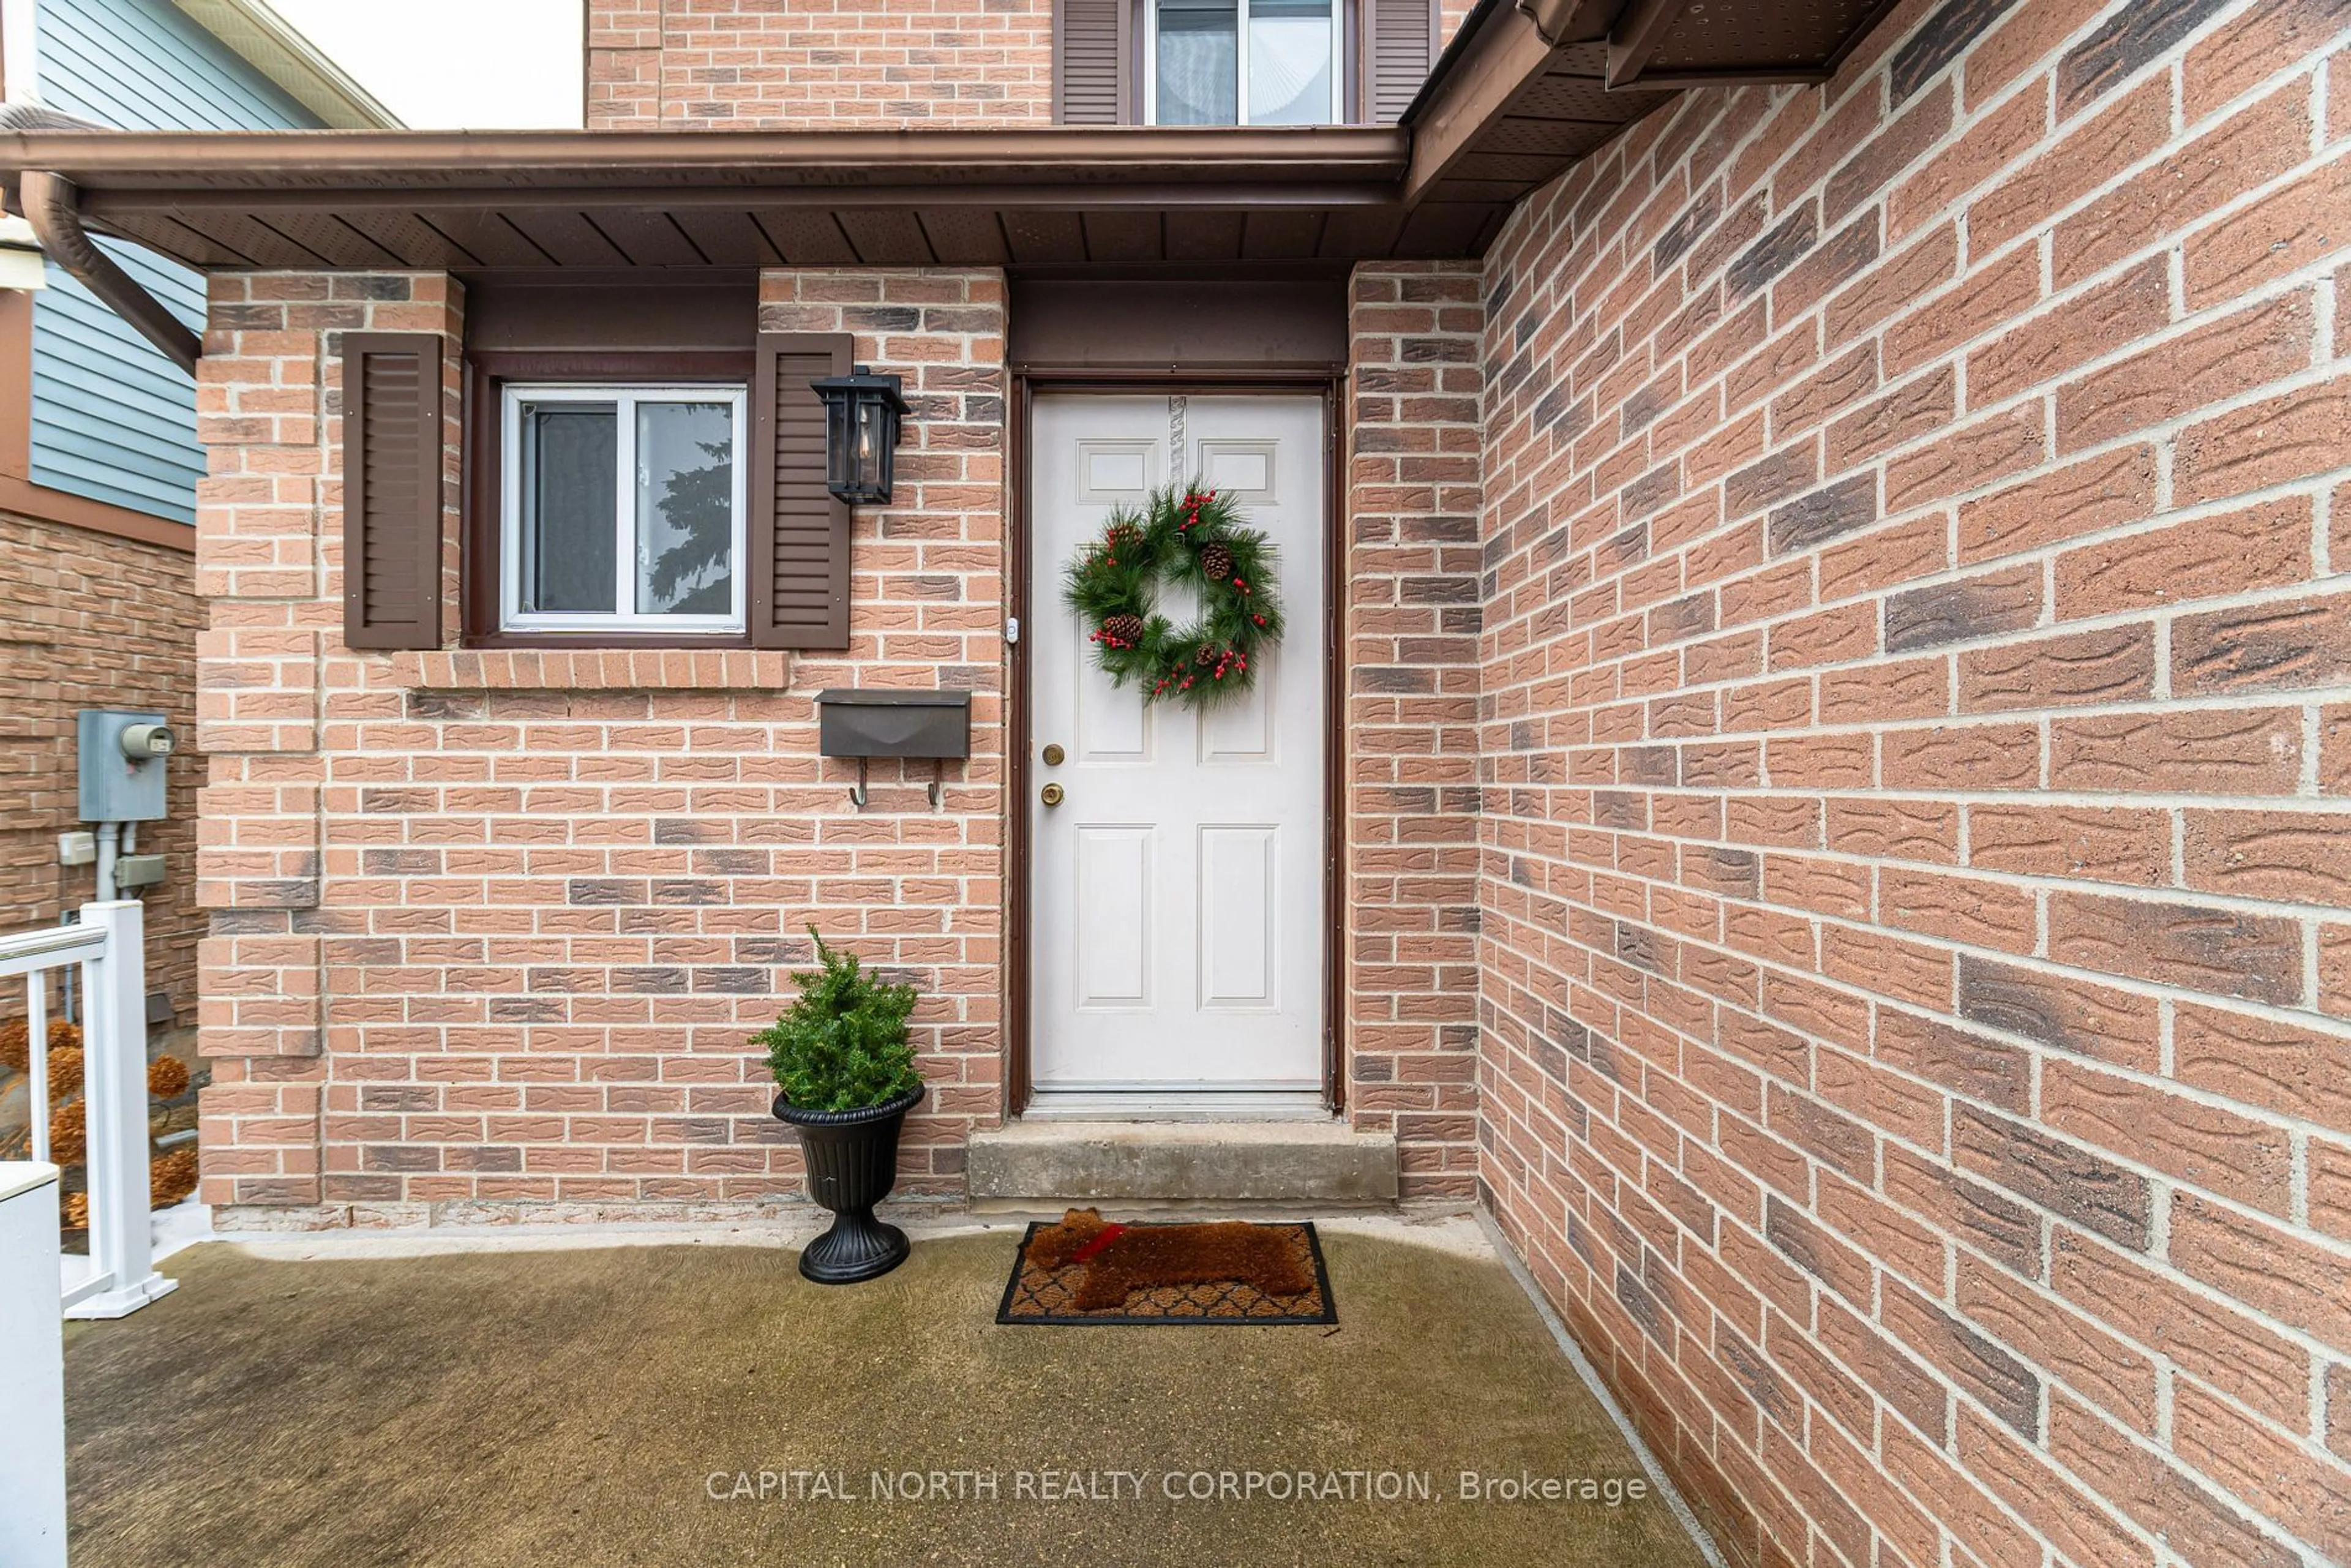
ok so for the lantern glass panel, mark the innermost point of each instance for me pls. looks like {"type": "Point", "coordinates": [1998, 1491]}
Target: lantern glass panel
{"type": "Point", "coordinates": [838, 407]}
{"type": "Point", "coordinates": [871, 459]}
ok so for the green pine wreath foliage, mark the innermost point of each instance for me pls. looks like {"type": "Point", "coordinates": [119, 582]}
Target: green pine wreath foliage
{"type": "Point", "coordinates": [1185, 536]}
{"type": "Point", "coordinates": [842, 1045]}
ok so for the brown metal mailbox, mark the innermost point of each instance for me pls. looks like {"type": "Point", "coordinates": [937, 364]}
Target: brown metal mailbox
{"type": "Point", "coordinates": [881, 722]}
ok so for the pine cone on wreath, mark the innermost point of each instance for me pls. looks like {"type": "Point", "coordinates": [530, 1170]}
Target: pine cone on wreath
{"type": "Point", "coordinates": [1216, 562]}
{"type": "Point", "coordinates": [1125, 630]}
{"type": "Point", "coordinates": [1205, 656]}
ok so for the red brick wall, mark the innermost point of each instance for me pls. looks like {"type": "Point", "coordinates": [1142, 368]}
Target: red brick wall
{"type": "Point", "coordinates": [1411, 642]}
{"type": "Point", "coordinates": [275, 706]}
{"type": "Point", "coordinates": [805, 64]}
{"type": "Point", "coordinates": [674, 65]}
{"type": "Point", "coordinates": [493, 927]}
{"type": "Point", "coordinates": [93, 620]}
{"type": "Point", "coordinates": [1450, 14]}
{"type": "Point", "coordinates": [1915, 962]}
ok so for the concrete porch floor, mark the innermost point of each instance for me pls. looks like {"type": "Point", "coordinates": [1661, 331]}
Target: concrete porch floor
{"type": "Point", "coordinates": [574, 1404]}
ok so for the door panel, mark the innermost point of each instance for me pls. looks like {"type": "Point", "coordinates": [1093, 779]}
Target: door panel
{"type": "Point", "coordinates": [1177, 943]}
{"type": "Point", "coordinates": [1110, 728]}
{"type": "Point", "coordinates": [1240, 731]}
{"type": "Point", "coordinates": [1241, 918]}
{"type": "Point", "coordinates": [1116, 926]}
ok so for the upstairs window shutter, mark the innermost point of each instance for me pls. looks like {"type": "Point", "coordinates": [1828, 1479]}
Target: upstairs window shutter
{"type": "Point", "coordinates": [392, 435]}
{"type": "Point", "coordinates": [1399, 49]}
{"type": "Point", "coordinates": [1089, 55]}
{"type": "Point", "coordinates": [799, 534]}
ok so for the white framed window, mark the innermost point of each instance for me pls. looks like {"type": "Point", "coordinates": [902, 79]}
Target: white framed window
{"type": "Point", "coordinates": [621, 508]}
{"type": "Point", "coordinates": [1242, 62]}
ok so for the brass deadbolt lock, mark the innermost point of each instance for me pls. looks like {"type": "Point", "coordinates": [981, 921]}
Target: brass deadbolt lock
{"type": "Point", "coordinates": [1053, 754]}
{"type": "Point", "coordinates": [1050, 794]}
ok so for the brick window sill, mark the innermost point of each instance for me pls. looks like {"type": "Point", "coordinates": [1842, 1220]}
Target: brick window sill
{"type": "Point", "coordinates": [591, 669]}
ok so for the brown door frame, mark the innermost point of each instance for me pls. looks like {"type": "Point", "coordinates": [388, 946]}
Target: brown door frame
{"type": "Point", "coordinates": [1027, 381]}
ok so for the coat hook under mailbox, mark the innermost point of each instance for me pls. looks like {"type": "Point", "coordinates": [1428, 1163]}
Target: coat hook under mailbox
{"type": "Point", "coordinates": [869, 722]}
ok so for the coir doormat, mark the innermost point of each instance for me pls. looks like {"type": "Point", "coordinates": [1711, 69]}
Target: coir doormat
{"type": "Point", "coordinates": [1086, 1269]}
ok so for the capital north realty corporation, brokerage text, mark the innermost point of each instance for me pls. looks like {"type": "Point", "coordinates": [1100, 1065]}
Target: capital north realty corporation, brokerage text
{"type": "Point", "coordinates": [1179, 1486]}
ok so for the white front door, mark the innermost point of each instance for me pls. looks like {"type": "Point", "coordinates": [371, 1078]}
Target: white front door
{"type": "Point", "coordinates": [1178, 938]}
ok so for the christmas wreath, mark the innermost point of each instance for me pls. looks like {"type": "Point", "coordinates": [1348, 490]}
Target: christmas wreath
{"type": "Point", "coordinates": [1192, 537]}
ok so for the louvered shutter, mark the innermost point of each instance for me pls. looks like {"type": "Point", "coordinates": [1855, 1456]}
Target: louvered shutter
{"type": "Point", "coordinates": [798, 533]}
{"type": "Point", "coordinates": [392, 435]}
{"type": "Point", "coordinates": [1399, 48]}
{"type": "Point", "coordinates": [1090, 55]}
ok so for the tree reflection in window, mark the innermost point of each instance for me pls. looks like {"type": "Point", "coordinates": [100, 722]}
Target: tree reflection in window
{"type": "Point", "coordinates": [685, 511]}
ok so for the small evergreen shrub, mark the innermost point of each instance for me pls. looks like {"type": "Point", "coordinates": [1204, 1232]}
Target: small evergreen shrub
{"type": "Point", "coordinates": [843, 1045]}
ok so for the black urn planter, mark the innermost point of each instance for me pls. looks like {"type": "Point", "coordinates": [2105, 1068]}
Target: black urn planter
{"type": "Point", "coordinates": [852, 1163]}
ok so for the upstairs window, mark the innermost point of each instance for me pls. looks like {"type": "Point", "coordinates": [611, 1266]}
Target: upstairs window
{"type": "Point", "coordinates": [1243, 62]}
{"type": "Point", "coordinates": [622, 508]}
{"type": "Point", "coordinates": [1239, 62]}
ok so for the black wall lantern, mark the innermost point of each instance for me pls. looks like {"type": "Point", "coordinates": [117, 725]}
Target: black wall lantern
{"type": "Point", "coordinates": [860, 433]}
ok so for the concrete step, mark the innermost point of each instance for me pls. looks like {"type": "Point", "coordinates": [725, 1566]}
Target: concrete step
{"type": "Point", "coordinates": [1045, 1164]}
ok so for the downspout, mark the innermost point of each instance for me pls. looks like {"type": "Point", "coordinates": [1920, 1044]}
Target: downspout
{"type": "Point", "coordinates": [51, 205]}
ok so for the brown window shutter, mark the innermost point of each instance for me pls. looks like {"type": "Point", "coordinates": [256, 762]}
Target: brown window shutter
{"type": "Point", "coordinates": [391, 489]}
{"type": "Point", "coordinates": [798, 533]}
{"type": "Point", "coordinates": [1399, 49]}
{"type": "Point", "coordinates": [1090, 55]}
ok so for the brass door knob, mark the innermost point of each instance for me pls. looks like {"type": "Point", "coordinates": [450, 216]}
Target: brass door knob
{"type": "Point", "coordinates": [1053, 754]}
{"type": "Point", "coordinates": [1050, 794]}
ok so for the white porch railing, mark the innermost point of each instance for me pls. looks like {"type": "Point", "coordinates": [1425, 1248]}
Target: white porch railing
{"type": "Point", "coordinates": [119, 1276]}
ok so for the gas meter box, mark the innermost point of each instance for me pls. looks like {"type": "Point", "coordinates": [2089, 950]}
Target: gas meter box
{"type": "Point", "coordinates": [123, 755]}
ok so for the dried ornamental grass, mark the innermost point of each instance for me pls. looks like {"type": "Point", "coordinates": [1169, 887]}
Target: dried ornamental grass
{"type": "Point", "coordinates": [68, 1138]}
{"type": "Point", "coordinates": [74, 1211]}
{"type": "Point", "coordinates": [65, 1071]}
{"type": "Point", "coordinates": [15, 1041]}
{"type": "Point", "coordinates": [167, 1077]}
{"type": "Point", "coordinates": [172, 1177]}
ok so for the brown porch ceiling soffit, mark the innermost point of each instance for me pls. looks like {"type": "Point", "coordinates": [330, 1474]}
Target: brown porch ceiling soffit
{"type": "Point", "coordinates": [1525, 89]}
{"type": "Point", "coordinates": [1101, 196]}
{"type": "Point", "coordinates": [1528, 86]}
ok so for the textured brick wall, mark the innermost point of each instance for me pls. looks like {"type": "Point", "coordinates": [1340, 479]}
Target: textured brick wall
{"type": "Point", "coordinates": [93, 620]}
{"type": "Point", "coordinates": [278, 699]}
{"type": "Point", "coordinates": [1915, 962]}
{"type": "Point", "coordinates": [802, 64]}
{"type": "Point", "coordinates": [1411, 650]}
{"type": "Point", "coordinates": [807, 64]}
{"type": "Point", "coordinates": [493, 925]}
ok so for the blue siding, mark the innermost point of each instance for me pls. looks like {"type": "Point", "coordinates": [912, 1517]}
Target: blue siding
{"type": "Point", "coordinates": [112, 418]}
